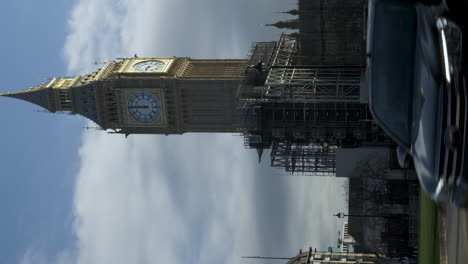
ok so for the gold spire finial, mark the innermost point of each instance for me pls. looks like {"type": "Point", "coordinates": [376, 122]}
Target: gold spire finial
{"type": "Point", "coordinates": [7, 94]}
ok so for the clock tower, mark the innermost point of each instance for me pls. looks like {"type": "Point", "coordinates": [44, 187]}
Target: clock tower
{"type": "Point", "coordinates": [149, 95]}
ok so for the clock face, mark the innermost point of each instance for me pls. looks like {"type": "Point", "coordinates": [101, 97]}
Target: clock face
{"type": "Point", "coordinates": [149, 66]}
{"type": "Point", "coordinates": [144, 107]}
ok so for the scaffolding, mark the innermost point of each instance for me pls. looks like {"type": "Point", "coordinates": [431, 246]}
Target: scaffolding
{"type": "Point", "coordinates": [294, 84]}
{"type": "Point", "coordinates": [285, 52]}
{"type": "Point", "coordinates": [287, 81]}
{"type": "Point", "coordinates": [303, 113]}
{"type": "Point", "coordinates": [316, 158]}
{"type": "Point", "coordinates": [262, 51]}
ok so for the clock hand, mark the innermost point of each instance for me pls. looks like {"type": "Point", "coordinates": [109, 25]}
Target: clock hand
{"type": "Point", "coordinates": [139, 106]}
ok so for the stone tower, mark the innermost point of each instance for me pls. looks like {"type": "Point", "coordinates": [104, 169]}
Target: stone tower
{"type": "Point", "coordinates": [149, 95]}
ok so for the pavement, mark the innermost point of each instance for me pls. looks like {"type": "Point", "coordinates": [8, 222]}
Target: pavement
{"type": "Point", "coordinates": [453, 227]}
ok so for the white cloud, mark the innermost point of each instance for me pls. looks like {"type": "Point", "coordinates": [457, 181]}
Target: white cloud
{"type": "Point", "coordinates": [39, 256]}
{"type": "Point", "coordinates": [135, 202]}
{"type": "Point", "coordinates": [191, 198]}
{"type": "Point", "coordinates": [33, 256]}
{"type": "Point", "coordinates": [95, 27]}
{"type": "Point", "coordinates": [105, 29]}
{"type": "Point", "coordinates": [63, 257]}
{"type": "Point", "coordinates": [124, 210]}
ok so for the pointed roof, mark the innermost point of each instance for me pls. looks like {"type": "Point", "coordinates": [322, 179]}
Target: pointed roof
{"type": "Point", "coordinates": [289, 24]}
{"type": "Point", "coordinates": [293, 12]}
{"type": "Point", "coordinates": [37, 95]}
{"type": "Point", "coordinates": [260, 154]}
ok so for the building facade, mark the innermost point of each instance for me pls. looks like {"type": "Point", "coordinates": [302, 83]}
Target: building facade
{"type": "Point", "coordinates": [329, 32]}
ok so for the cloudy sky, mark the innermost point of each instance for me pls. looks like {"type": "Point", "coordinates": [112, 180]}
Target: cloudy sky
{"type": "Point", "coordinates": [70, 195]}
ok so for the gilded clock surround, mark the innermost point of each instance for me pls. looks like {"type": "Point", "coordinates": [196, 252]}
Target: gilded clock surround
{"type": "Point", "coordinates": [129, 64]}
{"type": "Point", "coordinates": [149, 66]}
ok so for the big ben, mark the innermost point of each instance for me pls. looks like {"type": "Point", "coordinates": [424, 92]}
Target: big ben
{"type": "Point", "coordinates": [149, 95]}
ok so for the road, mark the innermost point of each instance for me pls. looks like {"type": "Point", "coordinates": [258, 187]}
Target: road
{"type": "Point", "coordinates": [453, 227]}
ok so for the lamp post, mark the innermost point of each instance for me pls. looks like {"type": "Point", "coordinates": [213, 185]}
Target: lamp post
{"type": "Point", "coordinates": [340, 215]}
{"type": "Point", "coordinates": [385, 216]}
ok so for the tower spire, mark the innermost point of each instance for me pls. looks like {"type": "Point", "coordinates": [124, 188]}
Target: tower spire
{"type": "Point", "coordinates": [37, 95]}
{"type": "Point", "coordinates": [53, 95]}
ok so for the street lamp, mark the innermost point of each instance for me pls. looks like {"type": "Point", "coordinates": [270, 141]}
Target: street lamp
{"type": "Point", "coordinates": [340, 215]}
{"type": "Point", "coordinates": [385, 216]}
